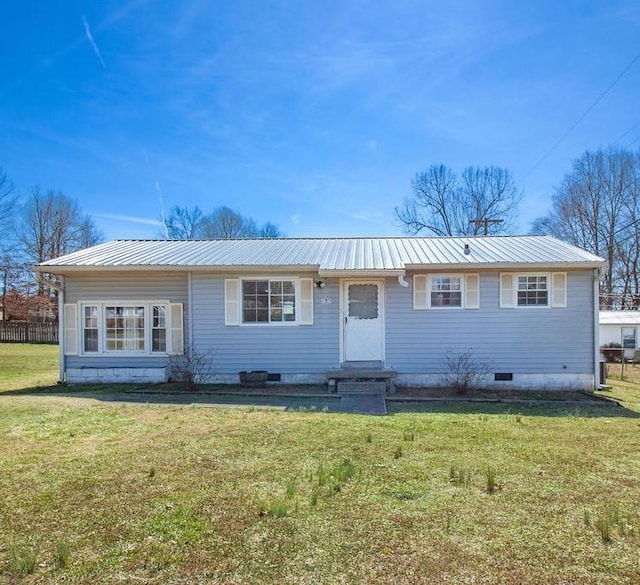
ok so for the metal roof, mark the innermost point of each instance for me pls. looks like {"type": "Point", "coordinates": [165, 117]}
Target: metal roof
{"type": "Point", "coordinates": [328, 255]}
{"type": "Point", "coordinates": [619, 317]}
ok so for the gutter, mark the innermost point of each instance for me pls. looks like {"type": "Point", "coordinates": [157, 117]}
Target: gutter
{"type": "Point", "coordinates": [597, 275]}
{"type": "Point", "coordinates": [60, 290]}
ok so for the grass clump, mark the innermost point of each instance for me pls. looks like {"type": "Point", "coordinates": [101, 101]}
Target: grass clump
{"type": "Point", "coordinates": [63, 555]}
{"type": "Point", "coordinates": [22, 561]}
{"type": "Point", "coordinates": [460, 476]}
{"type": "Point", "coordinates": [278, 510]}
{"type": "Point", "coordinates": [491, 481]}
{"type": "Point", "coordinates": [609, 523]}
{"type": "Point", "coordinates": [290, 489]}
{"type": "Point", "coordinates": [333, 479]}
{"type": "Point", "coordinates": [398, 452]}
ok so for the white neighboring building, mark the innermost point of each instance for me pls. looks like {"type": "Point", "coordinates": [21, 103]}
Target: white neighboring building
{"type": "Point", "coordinates": [621, 327]}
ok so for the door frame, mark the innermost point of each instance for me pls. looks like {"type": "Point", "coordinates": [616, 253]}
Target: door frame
{"type": "Point", "coordinates": [344, 282]}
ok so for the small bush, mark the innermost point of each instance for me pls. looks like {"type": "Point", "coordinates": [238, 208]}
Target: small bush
{"type": "Point", "coordinates": [464, 372]}
{"type": "Point", "coordinates": [192, 367]}
{"type": "Point", "coordinates": [612, 352]}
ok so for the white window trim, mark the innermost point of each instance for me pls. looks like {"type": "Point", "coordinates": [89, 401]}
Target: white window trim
{"type": "Point", "coordinates": [551, 290]}
{"type": "Point", "coordinates": [296, 285]}
{"type": "Point", "coordinates": [102, 329]}
{"type": "Point", "coordinates": [422, 296]}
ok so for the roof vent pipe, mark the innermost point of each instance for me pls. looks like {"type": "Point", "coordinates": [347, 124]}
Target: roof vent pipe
{"type": "Point", "coordinates": [467, 250]}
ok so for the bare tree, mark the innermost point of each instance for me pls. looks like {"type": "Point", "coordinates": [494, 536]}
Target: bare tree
{"type": "Point", "coordinates": [187, 223]}
{"type": "Point", "coordinates": [224, 222]}
{"type": "Point", "coordinates": [8, 199]}
{"type": "Point", "coordinates": [448, 205]}
{"type": "Point", "coordinates": [270, 230]}
{"type": "Point", "coordinates": [184, 223]}
{"type": "Point", "coordinates": [597, 207]}
{"type": "Point", "coordinates": [53, 225]}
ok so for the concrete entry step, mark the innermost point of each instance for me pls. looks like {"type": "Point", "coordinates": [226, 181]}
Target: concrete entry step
{"type": "Point", "coordinates": [361, 387]}
{"type": "Point", "coordinates": [363, 403]}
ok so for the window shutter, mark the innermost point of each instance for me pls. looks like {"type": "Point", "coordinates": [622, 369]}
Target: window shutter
{"type": "Point", "coordinates": [177, 329]}
{"type": "Point", "coordinates": [472, 291]}
{"type": "Point", "coordinates": [559, 289]}
{"type": "Point", "coordinates": [507, 291]}
{"type": "Point", "coordinates": [419, 291]}
{"type": "Point", "coordinates": [70, 329]}
{"type": "Point", "coordinates": [305, 313]}
{"type": "Point", "coordinates": [232, 301]}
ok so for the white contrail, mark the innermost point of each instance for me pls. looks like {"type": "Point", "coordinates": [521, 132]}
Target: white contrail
{"type": "Point", "coordinates": [93, 43]}
{"type": "Point", "coordinates": [164, 219]}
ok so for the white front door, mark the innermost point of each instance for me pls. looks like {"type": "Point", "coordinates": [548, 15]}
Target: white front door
{"type": "Point", "coordinates": [363, 303]}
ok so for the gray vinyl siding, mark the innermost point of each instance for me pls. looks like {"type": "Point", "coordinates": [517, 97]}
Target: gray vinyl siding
{"type": "Point", "coordinates": [125, 286]}
{"type": "Point", "coordinates": [286, 349]}
{"type": "Point", "coordinates": [519, 340]}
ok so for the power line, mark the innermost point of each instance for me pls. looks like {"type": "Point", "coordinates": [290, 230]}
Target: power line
{"type": "Point", "coordinates": [627, 132]}
{"type": "Point", "coordinates": [583, 116]}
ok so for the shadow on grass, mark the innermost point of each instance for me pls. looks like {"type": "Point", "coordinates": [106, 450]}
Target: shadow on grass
{"type": "Point", "coordinates": [315, 400]}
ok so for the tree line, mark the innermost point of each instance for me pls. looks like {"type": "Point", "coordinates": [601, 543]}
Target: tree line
{"type": "Point", "coordinates": [596, 207]}
{"type": "Point", "coordinates": [47, 224]}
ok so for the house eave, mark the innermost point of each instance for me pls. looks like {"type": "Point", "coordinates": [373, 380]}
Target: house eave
{"type": "Point", "coordinates": [503, 266]}
{"type": "Point", "coordinates": [244, 269]}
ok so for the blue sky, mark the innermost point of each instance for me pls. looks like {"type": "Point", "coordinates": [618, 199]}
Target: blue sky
{"type": "Point", "coordinates": [313, 115]}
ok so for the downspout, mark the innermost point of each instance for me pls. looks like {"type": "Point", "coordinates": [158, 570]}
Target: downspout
{"type": "Point", "coordinates": [597, 275]}
{"type": "Point", "coordinates": [60, 290]}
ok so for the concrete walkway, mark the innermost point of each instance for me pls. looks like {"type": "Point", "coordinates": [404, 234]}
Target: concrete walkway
{"type": "Point", "coordinates": [362, 403]}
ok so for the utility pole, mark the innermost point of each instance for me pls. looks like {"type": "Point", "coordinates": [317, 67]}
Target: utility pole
{"type": "Point", "coordinates": [485, 223]}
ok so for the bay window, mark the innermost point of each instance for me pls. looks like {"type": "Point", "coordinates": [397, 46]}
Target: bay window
{"type": "Point", "coordinates": [135, 328]}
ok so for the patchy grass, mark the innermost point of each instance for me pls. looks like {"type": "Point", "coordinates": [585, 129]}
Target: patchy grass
{"type": "Point", "coordinates": [98, 492]}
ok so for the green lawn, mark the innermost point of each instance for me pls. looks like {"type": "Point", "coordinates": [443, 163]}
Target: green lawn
{"type": "Point", "coordinates": [24, 365]}
{"type": "Point", "coordinates": [98, 492]}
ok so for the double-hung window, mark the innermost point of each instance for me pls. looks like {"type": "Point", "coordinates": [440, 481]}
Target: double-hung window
{"type": "Point", "coordinates": [445, 291]}
{"type": "Point", "coordinates": [268, 301]}
{"type": "Point", "coordinates": [90, 340]}
{"type": "Point", "coordinates": [533, 290]}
